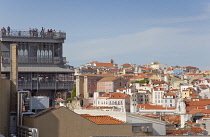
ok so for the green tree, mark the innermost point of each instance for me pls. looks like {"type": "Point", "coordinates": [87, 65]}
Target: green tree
{"type": "Point", "coordinates": [69, 100]}
{"type": "Point", "coordinates": [142, 81]}
{"type": "Point", "coordinates": [73, 92]}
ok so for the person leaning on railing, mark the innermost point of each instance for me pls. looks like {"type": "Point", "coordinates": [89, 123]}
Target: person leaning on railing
{"type": "Point", "coordinates": [8, 30]}
{"type": "Point", "coordinates": [3, 30]}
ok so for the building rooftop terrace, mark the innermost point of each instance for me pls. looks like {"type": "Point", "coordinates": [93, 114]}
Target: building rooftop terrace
{"type": "Point", "coordinates": [33, 34]}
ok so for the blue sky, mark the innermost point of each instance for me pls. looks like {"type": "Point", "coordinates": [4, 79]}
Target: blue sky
{"type": "Point", "coordinates": [174, 32]}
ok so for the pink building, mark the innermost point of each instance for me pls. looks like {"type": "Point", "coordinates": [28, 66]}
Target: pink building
{"type": "Point", "coordinates": [110, 84]}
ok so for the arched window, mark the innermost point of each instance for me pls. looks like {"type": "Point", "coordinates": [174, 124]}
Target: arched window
{"type": "Point", "coordinates": [46, 53]}
{"type": "Point", "coordinates": [42, 53]}
{"type": "Point", "coordinates": [25, 52]}
{"type": "Point", "coordinates": [38, 53]}
{"type": "Point", "coordinates": [50, 53]}
{"type": "Point", "coordinates": [21, 52]}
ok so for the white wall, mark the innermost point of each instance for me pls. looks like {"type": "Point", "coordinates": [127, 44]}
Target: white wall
{"type": "Point", "coordinates": [159, 127]}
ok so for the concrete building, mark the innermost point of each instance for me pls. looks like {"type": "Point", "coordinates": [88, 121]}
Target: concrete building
{"type": "Point", "coordinates": [126, 90]}
{"type": "Point", "coordinates": [155, 109]}
{"type": "Point", "coordinates": [63, 122]}
{"type": "Point", "coordinates": [157, 96]}
{"type": "Point", "coordinates": [86, 84]}
{"type": "Point", "coordinates": [158, 126]}
{"type": "Point", "coordinates": [157, 65]}
{"type": "Point", "coordinates": [169, 100]}
{"type": "Point", "coordinates": [111, 84]}
{"type": "Point", "coordinates": [5, 106]}
{"type": "Point", "coordinates": [117, 101]}
{"type": "Point", "coordinates": [42, 68]}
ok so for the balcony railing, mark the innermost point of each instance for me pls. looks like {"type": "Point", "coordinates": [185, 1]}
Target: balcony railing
{"type": "Point", "coordinates": [34, 60]}
{"type": "Point", "coordinates": [33, 34]}
{"type": "Point", "coordinates": [45, 85]}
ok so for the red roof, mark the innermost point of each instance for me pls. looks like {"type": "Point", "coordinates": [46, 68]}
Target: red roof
{"type": "Point", "coordinates": [148, 106]}
{"type": "Point", "coordinates": [190, 67]}
{"type": "Point", "coordinates": [158, 82]}
{"type": "Point", "coordinates": [127, 64]}
{"type": "Point", "coordinates": [116, 95]}
{"type": "Point", "coordinates": [105, 64]}
{"type": "Point", "coordinates": [59, 99]}
{"type": "Point", "coordinates": [102, 119]}
{"type": "Point", "coordinates": [190, 105]}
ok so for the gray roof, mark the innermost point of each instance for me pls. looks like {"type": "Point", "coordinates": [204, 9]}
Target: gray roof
{"type": "Point", "coordinates": [39, 69]}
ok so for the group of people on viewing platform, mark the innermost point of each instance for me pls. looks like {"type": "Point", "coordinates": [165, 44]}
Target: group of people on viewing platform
{"type": "Point", "coordinates": [49, 33]}
{"type": "Point", "coordinates": [33, 32]}
{"type": "Point", "coordinates": [4, 31]}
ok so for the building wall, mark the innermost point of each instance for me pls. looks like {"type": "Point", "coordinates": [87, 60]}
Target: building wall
{"type": "Point", "coordinates": [158, 97]}
{"type": "Point", "coordinates": [80, 86]}
{"type": "Point", "coordinates": [65, 123]}
{"type": "Point", "coordinates": [159, 127]}
{"type": "Point", "coordinates": [120, 104]}
{"type": "Point", "coordinates": [5, 106]}
{"type": "Point", "coordinates": [185, 94]}
{"type": "Point", "coordinates": [86, 85]}
{"type": "Point", "coordinates": [120, 83]}
{"type": "Point", "coordinates": [105, 86]}
{"type": "Point", "coordinates": [92, 82]}
{"type": "Point", "coordinates": [169, 101]}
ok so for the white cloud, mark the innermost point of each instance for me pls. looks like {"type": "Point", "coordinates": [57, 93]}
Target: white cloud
{"type": "Point", "coordinates": [205, 15]}
{"type": "Point", "coordinates": [165, 44]}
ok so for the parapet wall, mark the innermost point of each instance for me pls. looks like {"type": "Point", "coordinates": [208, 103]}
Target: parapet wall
{"type": "Point", "coordinates": [4, 106]}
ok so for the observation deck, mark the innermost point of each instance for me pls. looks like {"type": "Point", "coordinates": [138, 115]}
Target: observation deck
{"type": "Point", "coordinates": [32, 36]}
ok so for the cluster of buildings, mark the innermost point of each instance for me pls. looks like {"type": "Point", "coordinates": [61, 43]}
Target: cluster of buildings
{"type": "Point", "coordinates": [111, 100]}
{"type": "Point", "coordinates": [155, 90]}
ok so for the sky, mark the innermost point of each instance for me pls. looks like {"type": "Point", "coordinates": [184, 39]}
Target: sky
{"type": "Point", "coordinates": [173, 32]}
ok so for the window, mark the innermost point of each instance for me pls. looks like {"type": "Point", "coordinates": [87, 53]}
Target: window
{"type": "Point", "coordinates": [136, 129]}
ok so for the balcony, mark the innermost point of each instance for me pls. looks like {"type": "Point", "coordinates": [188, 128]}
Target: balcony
{"type": "Point", "coordinates": [35, 60]}
{"type": "Point", "coordinates": [33, 34]}
{"type": "Point", "coordinates": [35, 85]}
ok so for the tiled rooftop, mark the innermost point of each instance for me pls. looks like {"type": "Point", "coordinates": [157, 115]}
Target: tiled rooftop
{"type": "Point", "coordinates": [148, 106]}
{"type": "Point", "coordinates": [116, 95]}
{"type": "Point", "coordinates": [102, 119]}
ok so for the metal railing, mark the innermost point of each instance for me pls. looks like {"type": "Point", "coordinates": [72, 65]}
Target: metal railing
{"type": "Point", "coordinates": [33, 34]}
{"type": "Point", "coordinates": [23, 131]}
{"type": "Point", "coordinates": [35, 60]}
{"type": "Point", "coordinates": [45, 85]}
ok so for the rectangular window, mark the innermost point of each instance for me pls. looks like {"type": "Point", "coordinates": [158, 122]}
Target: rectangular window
{"type": "Point", "coordinates": [136, 129]}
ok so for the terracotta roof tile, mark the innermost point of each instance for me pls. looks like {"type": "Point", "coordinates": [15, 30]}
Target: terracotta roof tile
{"type": "Point", "coordinates": [107, 79]}
{"type": "Point", "coordinates": [59, 99]}
{"type": "Point", "coordinates": [158, 82]}
{"type": "Point", "coordinates": [102, 119]}
{"type": "Point", "coordinates": [127, 64]}
{"type": "Point", "coordinates": [116, 95]}
{"type": "Point", "coordinates": [105, 64]}
{"type": "Point", "coordinates": [148, 106]}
